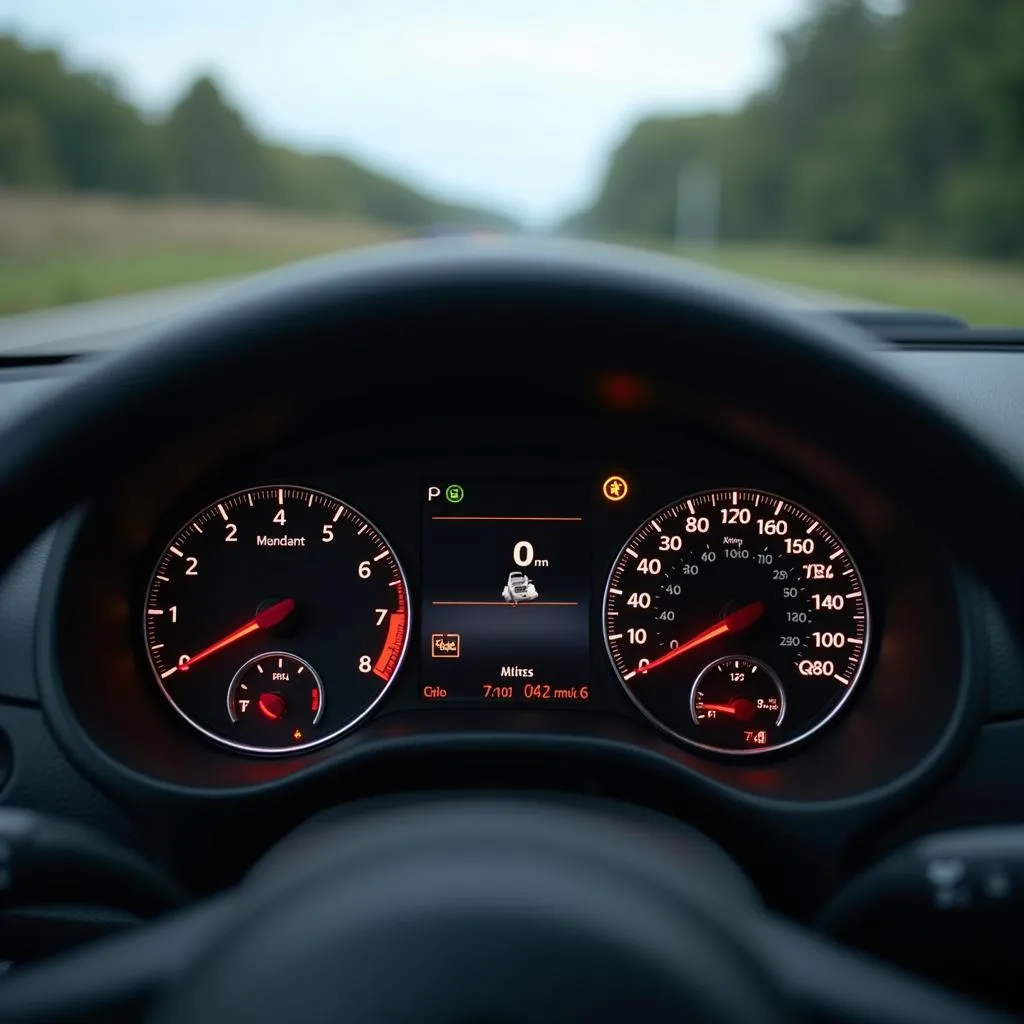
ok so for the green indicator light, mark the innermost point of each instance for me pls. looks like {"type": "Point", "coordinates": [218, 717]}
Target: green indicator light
{"type": "Point", "coordinates": [454, 493]}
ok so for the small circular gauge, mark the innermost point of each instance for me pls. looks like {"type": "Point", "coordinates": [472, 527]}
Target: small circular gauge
{"type": "Point", "coordinates": [737, 574]}
{"type": "Point", "coordinates": [263, 569]}
{"type": "Point", "coordinates": [737, 702]}
{"type": "Point", "coordinates": [275, 699]}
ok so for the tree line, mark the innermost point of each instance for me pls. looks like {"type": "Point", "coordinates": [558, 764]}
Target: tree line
{"type": "Point", "coordinates": [902, 129]}
{"type": "Point", "coordinates": [61, 128]}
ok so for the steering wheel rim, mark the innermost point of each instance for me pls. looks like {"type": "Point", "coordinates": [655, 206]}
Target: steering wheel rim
{"type": "Point", "coordinates": [308, 336]}
{"type": "Point", "coordinates": [309, 339]}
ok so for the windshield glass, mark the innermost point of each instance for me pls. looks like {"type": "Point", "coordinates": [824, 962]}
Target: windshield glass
{"type": "Point", "coordinates": [845, 152]}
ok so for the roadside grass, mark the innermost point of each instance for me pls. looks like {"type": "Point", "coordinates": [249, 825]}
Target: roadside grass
{"type": "Point", "coordinates": [59, 248]}
{"type": "Point", "coordinates": [985, 294]}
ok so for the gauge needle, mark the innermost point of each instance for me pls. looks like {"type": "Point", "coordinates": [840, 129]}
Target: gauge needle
{"type": "Point", "coordinates": [266, 619]}
{"type": "Point", "coordinates": [725, 709]}
{"type": "Point", "coordinates": [739, 620]}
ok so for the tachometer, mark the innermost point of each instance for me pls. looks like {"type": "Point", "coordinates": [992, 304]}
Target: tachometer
{"type": "Point", "coordinates": [276, 619]}
{"type": "Point", "coordinates": [737, 620]}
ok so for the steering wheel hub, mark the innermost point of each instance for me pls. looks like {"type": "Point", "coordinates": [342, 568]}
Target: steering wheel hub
{"type": "Point", "coordinates": [485, 910]}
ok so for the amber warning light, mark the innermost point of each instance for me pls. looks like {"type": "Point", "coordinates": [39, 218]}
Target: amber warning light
{"type": "Point", "coordinates": [615, 488]}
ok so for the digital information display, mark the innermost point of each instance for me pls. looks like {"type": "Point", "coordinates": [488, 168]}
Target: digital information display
{"type": "Point", "coordinates": [505, 615]}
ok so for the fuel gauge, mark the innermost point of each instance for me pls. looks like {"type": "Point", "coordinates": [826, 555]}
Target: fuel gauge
{"type": "Point", "coordinates": [737, 702]}
{"type": "Point", "coordinates": [274, 700]}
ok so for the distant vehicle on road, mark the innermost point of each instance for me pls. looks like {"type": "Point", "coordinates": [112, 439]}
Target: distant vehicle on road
{"type": "Point", "coordinates": [447, 230]}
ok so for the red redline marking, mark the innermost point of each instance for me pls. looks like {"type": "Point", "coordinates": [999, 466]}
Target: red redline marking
{"type": "Point", "coordinates": [396, 630]}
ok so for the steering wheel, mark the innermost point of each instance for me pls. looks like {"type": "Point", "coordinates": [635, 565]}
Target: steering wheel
{"type": "Point", "coordinates": [500, 906]}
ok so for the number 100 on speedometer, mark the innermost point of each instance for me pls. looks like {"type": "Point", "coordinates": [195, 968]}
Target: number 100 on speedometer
{"type": "Point", "coordinates": [737, 620]}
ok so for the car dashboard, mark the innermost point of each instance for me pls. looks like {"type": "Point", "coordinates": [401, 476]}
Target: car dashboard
{"type": "Point", "coordinates": [733, 626]}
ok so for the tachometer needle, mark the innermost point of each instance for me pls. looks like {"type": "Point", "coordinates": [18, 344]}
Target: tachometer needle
{"type": "Point", "coordinates": [739, 620]}
{"type": "Point", "coordinates": [266, 619]}
{"type": "Point", "coordinates": [724, 709]}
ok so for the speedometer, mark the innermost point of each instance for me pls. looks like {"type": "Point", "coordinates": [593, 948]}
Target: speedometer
{"type": "Point", "coordinates": [737, 620]}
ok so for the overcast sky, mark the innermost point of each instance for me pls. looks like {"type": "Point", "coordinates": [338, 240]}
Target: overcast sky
{"type": "Point", "coordinates": [514, 103]}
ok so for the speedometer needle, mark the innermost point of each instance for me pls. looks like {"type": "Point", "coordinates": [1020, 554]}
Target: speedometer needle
{"type": "Point", "coordinates": [739, 620]}
{"type": "Point", "coordinates": [266, 619]}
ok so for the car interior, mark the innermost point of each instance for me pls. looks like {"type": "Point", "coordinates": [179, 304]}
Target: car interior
{"type": "Point", "coordinates": [475, 630]}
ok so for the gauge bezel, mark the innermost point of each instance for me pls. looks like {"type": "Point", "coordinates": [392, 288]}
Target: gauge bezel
{"type": "Point", "coordinates": [730, 752]}
{"type": "Point", "coordinates": [245, 666]}
{"type": "Point", "coordinates": [320, 740]}
{"type": "Point", "coordinates": [768, 670]}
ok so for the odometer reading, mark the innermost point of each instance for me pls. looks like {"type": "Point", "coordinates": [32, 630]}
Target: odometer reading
{"type": "Point", "coordinates": [729, 606]}
{"type": "Point", "coordinates": [276, 618]}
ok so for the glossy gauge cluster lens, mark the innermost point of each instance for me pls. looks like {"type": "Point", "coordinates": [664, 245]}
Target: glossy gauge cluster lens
{"type": "Point", "coordinates": [276, 619]}
{"type": "Point", "coordinates": [737, 620]}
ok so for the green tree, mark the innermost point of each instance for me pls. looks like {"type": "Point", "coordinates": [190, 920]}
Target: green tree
{"type": "Point", "coordinates": [904, 129]}
{"type": "Point", "coordinates": [211, 150]}
{"type": "Point", "coordinates": [59, 127]}
{"type": "Point", "coordinates": [957, 128]}
{"type": "Point", "coordinates": [25, 154]}
{"type": "Point", "coordinates": [71, 126]}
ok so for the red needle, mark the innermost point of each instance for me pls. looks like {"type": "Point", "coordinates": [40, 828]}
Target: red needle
{"type": "Point", "coordinates": [266, 619]}
{"type": "Point", "coordinates": [726, 709]}
{"type": "Point", "coordinates": [739, 620]}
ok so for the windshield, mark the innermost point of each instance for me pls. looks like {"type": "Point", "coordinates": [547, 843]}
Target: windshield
{"type": "Point", "coordinates": [844, 152]}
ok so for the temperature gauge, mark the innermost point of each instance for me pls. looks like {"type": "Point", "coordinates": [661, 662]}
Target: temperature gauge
{"type": "Point", "coordinates": [274, 700]}
{"type": "Point", "coordinates": [737, 702]}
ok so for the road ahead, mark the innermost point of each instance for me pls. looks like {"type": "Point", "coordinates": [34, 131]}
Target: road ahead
{"type": "Point", "coordinates": [111, 323]}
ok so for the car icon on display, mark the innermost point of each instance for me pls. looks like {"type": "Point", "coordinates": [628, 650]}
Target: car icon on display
{"type": "Point", "coordinates": [519, 588]}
